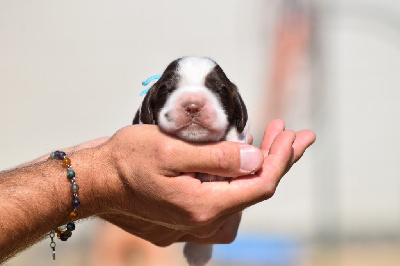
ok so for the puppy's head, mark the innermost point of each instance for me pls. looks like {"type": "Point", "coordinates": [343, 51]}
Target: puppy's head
{"type": "Point", "coordinates": [195, 101]}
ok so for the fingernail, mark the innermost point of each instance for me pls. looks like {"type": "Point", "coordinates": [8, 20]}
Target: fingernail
{"type": "Point", "coordinates": [250, 158]}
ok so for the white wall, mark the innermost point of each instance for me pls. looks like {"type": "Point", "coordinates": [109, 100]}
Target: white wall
{"type": "Point", "coordinates": [71, 71]}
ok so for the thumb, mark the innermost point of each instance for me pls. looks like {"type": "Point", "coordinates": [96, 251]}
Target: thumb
{"type": "Point", "coordinates": [227, 159]}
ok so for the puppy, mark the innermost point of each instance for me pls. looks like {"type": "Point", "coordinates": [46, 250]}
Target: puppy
{"type": "Point", "coordinates": [195, 101]}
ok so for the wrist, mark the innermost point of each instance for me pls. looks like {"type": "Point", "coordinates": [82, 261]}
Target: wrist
{"type": "Point", "coordinates": [95, 178]}
{"type": "Point", "coordinates": [89, 196]}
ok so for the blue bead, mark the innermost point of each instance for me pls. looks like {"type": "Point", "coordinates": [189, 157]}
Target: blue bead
{"type": "Point", "coordinates": [76, 203]}
{"type": "Point", "coordinates": [53, 155]}
{"type": "Point", "coordinates": [70, 174]}
{"type": "Point", "coordinates": [61, 155]}
{"type": "Point", "coordinates": [70, 227]}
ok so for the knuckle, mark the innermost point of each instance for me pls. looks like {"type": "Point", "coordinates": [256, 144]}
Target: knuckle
{"type": "Point", "coordinates": [165, 147]}
{"type": "Point", "coordinates": [201, 219]}
{"type": "Point", "coordinates": [164, 151]}
{"type": "Point", "coordinates": [270, 191]}
{"type": "Point", "coordinates": [223, 158]}
{"type": "Point", "coordinates": [202, 223]}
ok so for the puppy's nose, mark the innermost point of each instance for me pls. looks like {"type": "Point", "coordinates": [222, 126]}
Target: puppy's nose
{"type": "Point", "coordinates": [192, 109]}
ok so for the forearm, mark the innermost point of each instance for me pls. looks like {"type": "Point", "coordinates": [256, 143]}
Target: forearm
{"type": "Point", "coordinates": [138, 175]}
{"type": "Point", "coordinates": [36, 199]}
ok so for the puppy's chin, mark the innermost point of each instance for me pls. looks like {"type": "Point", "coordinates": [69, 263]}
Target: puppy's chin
{"type": "Point", "coordinates": [197, 133]}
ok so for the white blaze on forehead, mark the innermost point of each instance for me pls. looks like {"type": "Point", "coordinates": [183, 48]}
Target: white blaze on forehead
{"type": "Point", "coordinates": [193, 70]}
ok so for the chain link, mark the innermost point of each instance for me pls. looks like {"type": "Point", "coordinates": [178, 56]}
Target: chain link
{"type": "Point", "coordinates": [53, 244]}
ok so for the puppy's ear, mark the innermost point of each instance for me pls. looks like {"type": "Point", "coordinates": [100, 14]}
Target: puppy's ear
{"type": "Point", "coordinates": [240, 112]}
{"type": "Point", "coordinates": [146, 113]}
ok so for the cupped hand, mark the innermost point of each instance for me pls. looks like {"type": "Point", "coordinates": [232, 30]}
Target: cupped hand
{"type": "Point", "coordinates": [154, 193]}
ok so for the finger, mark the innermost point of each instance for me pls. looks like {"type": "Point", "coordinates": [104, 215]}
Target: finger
{"type": "Point", "coordinates": [250, 139]}
{"type": "Point", "coordinates": [224, 158]}
{"type": "Point", "coordinates": [224, 235]}
{"type": "Point", "coordinates": [277, 162]}
{"type": "Point", "coordinates": [304, 139]}
{"type": "Point", "coordinates": [245, 191]}
{"type": "Point", "coordinates": [271, 132]}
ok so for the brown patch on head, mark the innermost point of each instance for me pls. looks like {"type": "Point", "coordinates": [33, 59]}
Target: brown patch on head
{"type": "Point", "coordinates": [158, 94]}
{"type": "Point", "coordinates": [228, 96]}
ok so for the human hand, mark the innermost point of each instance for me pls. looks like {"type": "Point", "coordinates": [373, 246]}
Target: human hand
{"type": "Point", "coordinates": [144, 181]}
{"type": "Point", "coordinates": [157, 197]}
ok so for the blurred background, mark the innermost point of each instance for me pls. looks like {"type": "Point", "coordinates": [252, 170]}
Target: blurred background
{"type": "Point", "coordinates": [71, 71]}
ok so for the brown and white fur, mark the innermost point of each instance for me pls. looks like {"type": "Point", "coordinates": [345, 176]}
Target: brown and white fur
{"type": "Point", "coordinates": [195, 101]}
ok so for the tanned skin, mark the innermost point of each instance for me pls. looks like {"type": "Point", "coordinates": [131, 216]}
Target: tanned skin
{"type": "Point", "coordinates": [140, 180]}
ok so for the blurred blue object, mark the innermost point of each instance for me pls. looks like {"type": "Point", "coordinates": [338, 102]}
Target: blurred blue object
{"type": "Point", "coordinates": [259, 250]}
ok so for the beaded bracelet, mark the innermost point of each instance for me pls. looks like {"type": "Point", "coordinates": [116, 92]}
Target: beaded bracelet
{"type": "Point", "coordinates": [64, 232]}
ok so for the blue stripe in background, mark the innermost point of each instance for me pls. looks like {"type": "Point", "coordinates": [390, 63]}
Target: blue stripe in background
{"type": "Point", "coordinates": [260, 250]}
